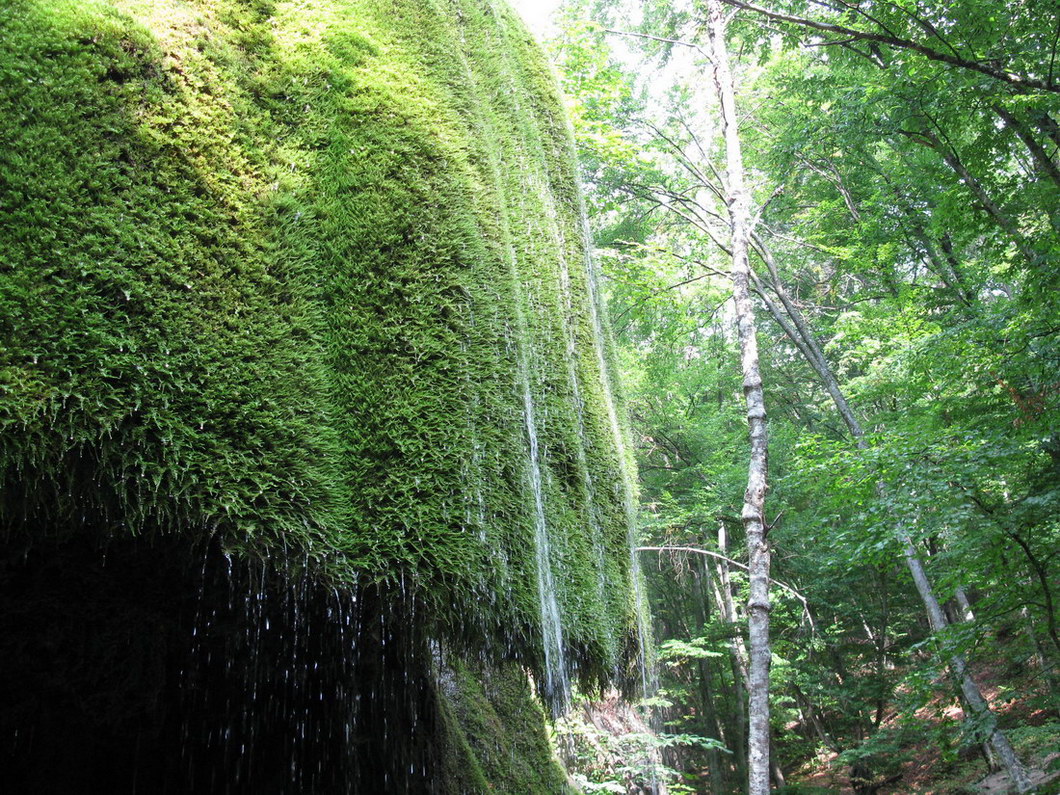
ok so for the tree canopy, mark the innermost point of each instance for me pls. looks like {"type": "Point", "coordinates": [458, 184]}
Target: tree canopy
{"type": "Point", "coordinates": [902, 159]}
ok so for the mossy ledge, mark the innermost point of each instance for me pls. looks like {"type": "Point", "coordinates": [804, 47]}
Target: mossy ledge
{"type": "Point", "coordinates": [274, 279]}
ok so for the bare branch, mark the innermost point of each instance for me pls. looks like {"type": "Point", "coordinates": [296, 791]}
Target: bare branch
{"type": "Point", "coordinates": [679, 42]}
{"type": "Point", "coordinates": [730, 561]}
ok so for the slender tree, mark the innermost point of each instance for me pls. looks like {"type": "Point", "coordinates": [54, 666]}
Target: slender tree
{"type": "Point", "coordinates": [753, 513]}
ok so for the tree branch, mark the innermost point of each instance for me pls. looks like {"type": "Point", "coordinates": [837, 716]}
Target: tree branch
{"type": "Point", "coordinates": [663, 39]}
{"type": "Point", "coordinates": [730, 561]}
{"type": "Point", "coordinates": [1020, 84]}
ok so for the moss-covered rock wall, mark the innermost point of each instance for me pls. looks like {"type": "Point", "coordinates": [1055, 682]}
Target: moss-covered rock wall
{"type": "Point", "coordinates": [306, 281]}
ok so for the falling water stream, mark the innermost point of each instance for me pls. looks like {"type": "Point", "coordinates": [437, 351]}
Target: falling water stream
{"type": "Point", "coordinates": [556, 686]}
{"type": "Point", "coordinates": [557, 670]}
{"type": "Point", "coordinates": [557, 683]}
{"type": "Point", "coordinates": [647, 675]}
{"type": "Point", "coordinates": [627, 476]}
{"type": "Point", "coordinates": [628, 479]}
{"type": "Point", "coordinates": [588, 486]}
{"type": "Point", "coordinates": [557, 678]}
{"type": "Point", "coordinates": [186, 670]}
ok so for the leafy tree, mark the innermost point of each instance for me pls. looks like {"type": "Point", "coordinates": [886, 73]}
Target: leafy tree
{"type": "Point", "coordinates": [904, 252]}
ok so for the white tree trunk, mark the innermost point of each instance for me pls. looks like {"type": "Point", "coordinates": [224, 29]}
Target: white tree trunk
{"type": "Point", "coordinates": [754, 497]}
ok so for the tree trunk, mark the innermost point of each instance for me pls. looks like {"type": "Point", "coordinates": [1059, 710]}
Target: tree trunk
{"type": "Point", "coordinates": [753, 513]}
{"type": "Point", "coordinates": [737, 656]}
{"type": "Point", "coordinates": [944, 266]}
{"type": "Point", "coordinates": [1038, 569]}
{"type": "Point", "coordinates": [949, 257]}
{"type": "Point", "coordinates": [1042, 161]}
{"type": "Point", "coordinates": [811, 715]}
{"type": "Point", "coordinates": [718, 780]}
{"type": "Point", "coordinates": [1048, 126]}
{"type": "Point", "coordinates": [1040, 657]}
{"type": "Point", "coordinates": [806, 342]}
{"type": "Point", "coordinates": [775, 771]}
{"type": "Point", "coordinates": [1044, 166]}
{"type": "Point", "coordinates": [701, 588]}
{"type": "Point", "coordinates": [973, 697]}
{"type": "Point", "coordinates": [967, 614]}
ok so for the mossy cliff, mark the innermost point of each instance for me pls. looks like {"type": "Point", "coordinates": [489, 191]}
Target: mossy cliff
{"type": "Point", "coordinates": [304, 284]}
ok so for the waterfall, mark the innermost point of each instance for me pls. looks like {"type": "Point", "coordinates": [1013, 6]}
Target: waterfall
{"type": "Point", "coordinates": [557, 684]}
{"type": "Point", "coordinates": [557, 681]}
{"type": "Point", "coordinates": [365, 453]}
{"type": "Point", "coordinates": [628, 480]}
{"type": "Point", "coordinates": [647, 675]}
{"type": "Point", "coordinates": [595, 529]}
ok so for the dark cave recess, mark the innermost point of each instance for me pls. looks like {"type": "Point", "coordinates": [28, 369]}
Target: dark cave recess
{"type": "Point", "coordinates": [141, 666]}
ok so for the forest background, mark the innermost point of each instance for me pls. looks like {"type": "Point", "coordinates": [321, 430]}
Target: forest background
{"type": "Point", "coordinates": [904, 193]}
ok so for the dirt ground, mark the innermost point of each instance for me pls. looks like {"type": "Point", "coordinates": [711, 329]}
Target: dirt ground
{"type": "Point", "coordinates": [998, 783]}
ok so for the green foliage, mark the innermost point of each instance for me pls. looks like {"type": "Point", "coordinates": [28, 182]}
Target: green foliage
{"type": "Point", "coordinates": [1036, 739]}
{"type": "Point", "coordinates": [674, 652]}
{"type": "Point", "coordinates": [915, 230]}
{"type": "Point", "coordinates": [694, 740]}
{"type": "Point", "coordinates": [882, 754]}
{"type": "Point", "coordinates": [608, 748]}
{"type": "Point", "coordinates": [495, 738]}
{"type": "Point", "coordinates": [266, 275]}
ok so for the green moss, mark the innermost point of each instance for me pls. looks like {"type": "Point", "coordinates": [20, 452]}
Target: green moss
{"type": "Point", "coordinates": [494, 733]}
{"type": "Point", "coordinates": [266, 274]}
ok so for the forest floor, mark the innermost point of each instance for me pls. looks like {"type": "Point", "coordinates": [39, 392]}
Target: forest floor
{"type": "Point", "coordinates": [928, 774]}
{"type": "Point", "coordinates": [999, 783]}
{"type": "Point", "coordinates": [928, 770]}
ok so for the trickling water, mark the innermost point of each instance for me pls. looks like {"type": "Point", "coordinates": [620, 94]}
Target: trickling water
{"type": "Point", "coordinates": [557, 680]}
{"type": "Point", "coordinates": [628, 488]}
{"type": "Point", "coordinates": [647, 675]}
{"type": "Point", "coordinates": [212, 675]}
{"type": "Point", "coordinates": [627, 485]}
{"type": "Point", "coordinates": [557, 684]}
{"type": "Point", "coordinates": [579, 407]}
